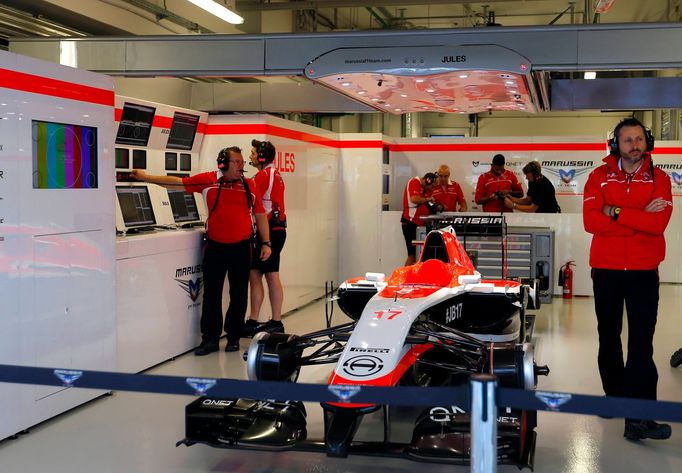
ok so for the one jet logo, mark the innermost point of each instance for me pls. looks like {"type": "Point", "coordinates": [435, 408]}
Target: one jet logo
{"type": "Point", "coordinates": [191, 286]}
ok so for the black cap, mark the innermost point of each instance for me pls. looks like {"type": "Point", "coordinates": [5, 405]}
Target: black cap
{"type": "Point", "coordinates": [429, 178]}
{"type": "Point", "coordinates": [498, 160]}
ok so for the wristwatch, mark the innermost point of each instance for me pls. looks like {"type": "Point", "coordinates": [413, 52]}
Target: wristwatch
{"type": "Point", "coordinates": [267, 243]}
{"type": "Point", "coordinates": [616, 213]}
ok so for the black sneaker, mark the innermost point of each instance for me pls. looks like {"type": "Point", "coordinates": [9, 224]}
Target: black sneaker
{"type": "Point", "coordinates": [205, 348]}
{"type": "Point", "coordinates": [646, 429]}
{"type": "Point", "coordinates": [232, 346]}
{"type": "Point", "coordinates": [251, 328]}
{"type": "Point", "coordinates": [274, 326]}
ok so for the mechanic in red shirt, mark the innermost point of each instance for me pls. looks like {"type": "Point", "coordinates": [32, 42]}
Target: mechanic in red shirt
{"type": "Point", "coordinates": [417, 194]}
{"type": "Point", "coordinates": [446, 193]}
{"type": "Point", "coordinates": [233, 204]}
{"type": "Point", "coordinates": [494, 185]}
{"type": "Point", "coordinates": [270, 186]}
{"type": "Point", "coordinates": [627, 206]}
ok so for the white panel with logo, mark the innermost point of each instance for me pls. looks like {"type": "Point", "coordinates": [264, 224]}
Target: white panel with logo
{"type": "Point", "coordinates": [159, 301]}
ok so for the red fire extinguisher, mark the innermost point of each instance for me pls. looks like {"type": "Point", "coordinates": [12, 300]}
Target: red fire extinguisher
{"type": "Point", "coordinates": [566, 279]}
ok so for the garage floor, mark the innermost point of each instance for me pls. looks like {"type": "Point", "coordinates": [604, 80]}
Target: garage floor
{"type": "Point", "coordinates": [131, 432]}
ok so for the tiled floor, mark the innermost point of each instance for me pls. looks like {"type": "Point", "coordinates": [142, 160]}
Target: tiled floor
{"type": "Point", "coordinates": [130, 432]}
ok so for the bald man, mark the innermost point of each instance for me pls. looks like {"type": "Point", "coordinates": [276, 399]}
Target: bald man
{"type": "Point", "coordinates": [448, 194]}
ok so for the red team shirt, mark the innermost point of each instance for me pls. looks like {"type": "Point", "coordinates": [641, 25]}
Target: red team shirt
{"type": "Point", "coordinates": [231, 221]}
{"type": "Point", "coordinates": [489, 183]}
{"type": "Point", "coordinates": [448, 196]}
{"type": "Point", "coordinates": [271, 186]}
{"type": "Point", "coordinates": [414, 212]}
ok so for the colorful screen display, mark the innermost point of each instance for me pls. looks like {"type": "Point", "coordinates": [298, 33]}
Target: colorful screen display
{"type": "Point", "coordinates": [64, 156]}
{"type": "Point", "coordinates": [122, 158]}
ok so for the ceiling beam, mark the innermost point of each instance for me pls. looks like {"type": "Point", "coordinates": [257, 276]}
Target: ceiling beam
{"type": "Point", "coordinates": [250, 5]}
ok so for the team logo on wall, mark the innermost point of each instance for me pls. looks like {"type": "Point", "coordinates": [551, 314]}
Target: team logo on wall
{"type": "Point", "coordinates": [191, 286]}
{"type": "Point", "coordinates": [677, 178]}
{"type": "Point", "coordinates": [674, 170]}
{"type": "Point", "coordinates": [568, 173]}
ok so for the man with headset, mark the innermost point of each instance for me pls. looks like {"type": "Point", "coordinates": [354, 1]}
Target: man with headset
{"type": "Point", "coordinates": [627, 206]}
{"type": "Point", "coordinates": [233, 204]}
{"type": "Point", "coordinates": [270, 187]}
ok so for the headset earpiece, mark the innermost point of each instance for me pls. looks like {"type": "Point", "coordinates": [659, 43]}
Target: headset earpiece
{"type": "Point", "coordinates": [261, 152]}
{"type": "Point", "coordinates": [613, 141]}
{"type": "Point", "coordinates": [223, 159]}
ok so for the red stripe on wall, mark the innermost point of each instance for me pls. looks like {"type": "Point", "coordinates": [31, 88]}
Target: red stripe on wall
{"type": "Point", "coordinates": [671, 150]}
{"type": "Point", "coordinates": [440, 147]}
{"type": "Point", "coordinates": [272, 130]}
{"type": "Point", "coordinates": [53, 87]}
{"type": "Point", "coordinates": [162, 122]}
{"type": "Point", "coordinates": [227, 129]}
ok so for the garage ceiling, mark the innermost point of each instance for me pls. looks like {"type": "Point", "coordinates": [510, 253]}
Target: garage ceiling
{"type": "Point", "coordinates": [118, 18]}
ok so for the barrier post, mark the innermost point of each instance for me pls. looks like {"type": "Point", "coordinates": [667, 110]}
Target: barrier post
{"type": "Point", "coordinates": [483, 424]}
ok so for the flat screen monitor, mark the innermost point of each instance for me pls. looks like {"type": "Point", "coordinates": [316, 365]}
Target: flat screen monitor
{"type": "Point", "coordinates": [122, 158]}
{"type": "Point", "coordinates": [135, 125]}
{"type": "Point", "coordinates": [183, 130]}
{"type": "Point", "coordinates": [185, 162]}
{"type": "Point", "coordinates": [184, 206]}
{"type": "Point", "coordinates": [64, 156]}
{"type": "Point", "coordinates": [136, 206]}
{"type": "Point", "coordinates": [171, 161]}
{"type": "Point", "coordinates": [139, 159]}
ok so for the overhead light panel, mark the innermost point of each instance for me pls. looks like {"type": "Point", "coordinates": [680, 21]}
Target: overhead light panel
{"type": "Point", "coordinates": [218, 10]}
{"type": "Point", "coordinates": [449, 79]}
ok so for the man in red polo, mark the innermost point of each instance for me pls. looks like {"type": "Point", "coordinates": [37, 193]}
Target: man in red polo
{"type": "Point", "coordinates": [417, 194]}
{"type": "Point", "coordinates": [494, 185]}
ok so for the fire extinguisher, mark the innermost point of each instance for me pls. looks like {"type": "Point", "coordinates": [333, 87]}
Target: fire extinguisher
{"type": "Point", "coordinates": [566, 279]}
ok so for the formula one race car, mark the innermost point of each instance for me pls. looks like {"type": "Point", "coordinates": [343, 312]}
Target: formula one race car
{"type": "Point", "coordinates": [430, 324]}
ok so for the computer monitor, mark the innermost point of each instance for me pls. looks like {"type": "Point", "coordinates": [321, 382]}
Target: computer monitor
{"type": "Point", "coordinates": [183, 130]}
{"type": "Point", "coordinates": [171, 161]}
{"type": "Point", "coordinates": [135, 125]}
{"type": "Point", "coordinates": [185, 162]}
{"type": "Point", "coordinates": [183, 205]}
{"type": "Point", "coordinates": [139, 159]}
{"type": "Point", "coordinates": [122, 158]}
{"type": "Point", "coordinates": [136, 206]}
